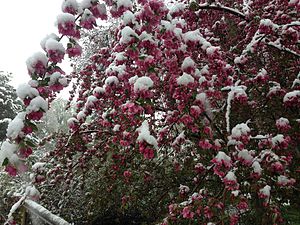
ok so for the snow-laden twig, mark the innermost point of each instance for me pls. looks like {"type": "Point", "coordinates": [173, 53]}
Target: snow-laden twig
{"type": "Point", "coordinates": [223, 8]}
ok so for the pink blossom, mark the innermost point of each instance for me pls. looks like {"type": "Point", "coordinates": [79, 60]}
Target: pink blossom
{"type": "Point", "coordinates": [187, 213]}
{"type": "Point", "coordinates": [35, 115]}
{"type": "Point", "coordinates": [204, 144]}
{"type": "Point", "coordinates": [11, 170]}
{"type": "Point", "coordinates": [74, 50]}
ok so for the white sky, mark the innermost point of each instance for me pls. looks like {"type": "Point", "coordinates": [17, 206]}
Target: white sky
{"type": "Point", "coordinates": [23, 24]}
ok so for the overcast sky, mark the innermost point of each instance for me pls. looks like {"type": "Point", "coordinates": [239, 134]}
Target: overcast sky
{"type": "Point", "coordinates": [24, 23]}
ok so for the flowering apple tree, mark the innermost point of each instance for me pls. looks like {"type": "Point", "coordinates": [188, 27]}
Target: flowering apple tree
{"type": "Point", "coordinates": [191, 104]}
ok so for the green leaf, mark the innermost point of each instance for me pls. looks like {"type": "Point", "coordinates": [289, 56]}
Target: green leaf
{"type": "Point", "coordinates": [30, 143]}
{"type": "Point", "coordinates": [5, 162]}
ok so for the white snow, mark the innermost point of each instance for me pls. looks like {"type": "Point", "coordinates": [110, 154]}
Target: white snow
{"type": "Point", "coordinates": [279, 138]}
{"type": "Point", "coordinates": [185, 79]}
{"type": "Point", "coordinates": [211, 50]}
{"type": "Point", "coordinates": [25, 90]}
{"type": "Point", "coordinates": [133, 79]}
{"type": "Point", "coordinates": [222, 156]}
{"type": "Point", "coordinates": [38, 165]}
{"type": "Point", "coordinates": [282, 180]}
{"type": "Point", "coordinates": [34, 59]}
{"type": "Point", "coordinates": [72, 121]}
{"type": "Point", "coordinates": [70, 3]}
{"type": "Point", "coordinates": [256, 167]}
{"type": "Point", "coordinates": [81, 115]}
{"type": "Point", "coordinates": [45, 39]}
{"type": "Point", "coordinates": [54, 45]}
{"type": "Point", "coordinates": [142, 83]}
{"type": "Point", "coordinates": [265, 191]}
{"type": "Point", "coordinates": [177, 7]}
{"type": "Point", "coordinates": [64, 18]}
{"type": "Point", "coordinates": [144, 134]}
{"type": "Point", "coordinates": [98, 90]}
{"type": "Point", "coordinates": [15, 126]}
{"type": "Point", "coordinates": [230, 176]}
{"type": "Point", "coordinates": [240, 130]}
{"type": "Point", "coordinates": [116, 128]}
{"type": "Point", "coordinates": [269, 23]}
{"type": "Point", "coordinates": [128, 17]}
{"type": "Point", "coordinates": [111, 80]}
{"type": "Point", "coordinates": [35, 208]}
{"type": "Point", "coordinates": [291, 95]}
{"type": "Point", "coordinates": [245, 154]}
{"type": "Point", "coordinates": [91, 101]}
{"type": "Point", "coordinates": [127, 35]}
{"type": "Point", "coordinates": [187, 62]}
{"type": "Point", "coordinates": [124, 3]}
{"type": "Point", "coordinates": [54, 77]}
{"type": "Point", "coordinates": [36, 104]}
{"type": "Point", "coordinates": [8, 151]}
{"type": "Point", "coordinates": [193, 36]}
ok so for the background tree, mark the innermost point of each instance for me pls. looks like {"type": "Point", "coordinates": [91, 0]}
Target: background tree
{"type": "Point", "coordinates": [9, 105]}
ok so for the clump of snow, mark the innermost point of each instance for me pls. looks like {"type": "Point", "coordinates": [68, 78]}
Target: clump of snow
{"type": "Point", "coordinates": [34, 59]}
{"type": "Point", "coordinates": [36, 104]}
{"type": "Point", "coordinates": [183, 189]}
{"type": "Point", "coordinates": [221, 156]}
{"type": "Point", "coordinates": [212, 50]}
{"type": "Point", "coordinates": [291, 95]}
{"type": "Point", "coordinates": [8, 151]}
{"type": "Point", "coordinates": [240, 130]}
{"type": "Point", "coordinates": [133, 79]}
{"type": "Point", "coordinates": [256, 167]}
{"type": "Point", "coordinates": [127, 35]}
{"type": "Point", "coordinates": [245, 155]}
{"type": "Point", "coordinates": [230, 176]}
{"type": "Point", "coordinates": [124, 3]}
{"type": "Point", "coordinates": [99, 90]}
{"type": "Point", "coordinates": [64, 18]}
{"type": "Point", "coordinates": [279, 138]}
{"type": "Point", "coordinates": [193, 36]}
{"type": "Point", "coordinates": [15, 127]}
{"type": "Point", "coordinates": [128, 17]}
{"type": "Point", "coordinates": [144, 134]}
{"type": "Point", "coordinates": [38, 166]}
{"type": "Point", "coordinates": [116, 128]}
{"type": "Point", "coordinates": [25, 90]}
{"type": "Point", "coordinates": [111, 80]}
{"type": "Point", "coordinates": [91, 101]}
{"type": "Point", "coordinates": [49, 36]}
{"type": "Point", "coordinates": [177, 7]}
{"type": "Point", "coordinates": [142, 83]}
{"type": "Point", "coordinates": [52, 44]}
{"type": "Point", "coordinates": [81, 115]}
{"type": "Point", "coordinates": [187, 62]}
{"type": "Point", "coordinates": [265, 191]}
{"type": "Point", "coordinates": [185, 79]}
{"type": "Point", "coordinates": [269, 23]}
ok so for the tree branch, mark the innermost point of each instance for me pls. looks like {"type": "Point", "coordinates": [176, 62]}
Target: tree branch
{"type": "Point", "coordinates": [226, 9]}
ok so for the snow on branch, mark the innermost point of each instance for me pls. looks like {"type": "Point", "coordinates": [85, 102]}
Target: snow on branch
{"type": "Point", "coordinates": [223, 8]}
{"type": "Point", "coordinates": [44, 214]}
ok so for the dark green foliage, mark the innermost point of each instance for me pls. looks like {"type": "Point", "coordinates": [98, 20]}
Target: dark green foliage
{"type": "Point", "coordinates": [9, 105]}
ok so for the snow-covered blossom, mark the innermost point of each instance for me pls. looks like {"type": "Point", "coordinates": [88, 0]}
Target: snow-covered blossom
{"type": "Point", "coordinates": [144, 135]}
{"type": "Point", "coordinates": [37, 63]}
{"type": "Point", "coordinates": [142, 83]}
{"type": "Point", "coordinates": [265, 192]}
{"type": "Point", "coordinates": [15, 127]}
{"type": "Point", "coordinates": [66, 25]}
{"type": "Point", "coordinates": [185, 79]}
{"type": "Point", "coordinates": [25, 90]}
{"type": "Point", "coordinates": [127, 35]}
